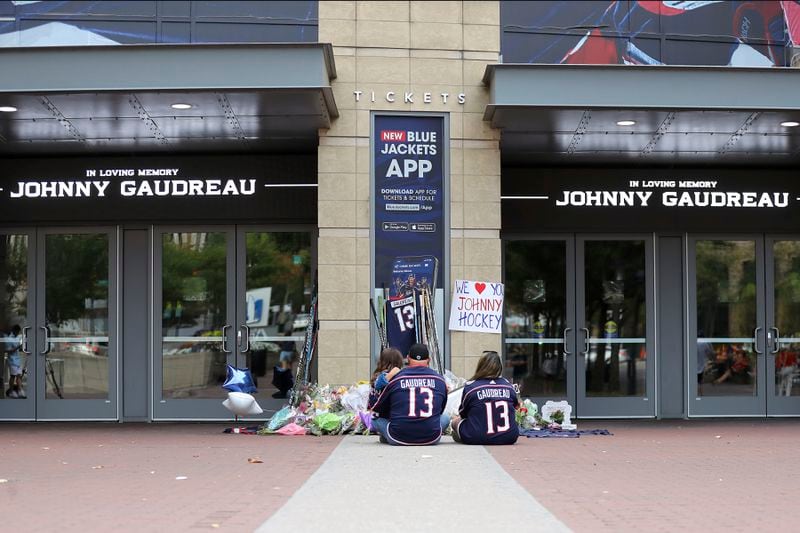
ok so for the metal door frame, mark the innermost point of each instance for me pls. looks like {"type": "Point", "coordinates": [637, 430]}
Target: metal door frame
{"type": "Point", "coordinates": [79, 409]}
{"type": "Point", "coordinates": [15, 409]}
{"type": "Point", "coordinates": [724, 406]}
{"type": "Point", "coordinates": [569, 293]}
{"type": "Point", "coordinates": [621, 407]}
{"type": "Point", "coordinates": [777, 406]}
{"type": "Point", "coordinates": [188, 409]}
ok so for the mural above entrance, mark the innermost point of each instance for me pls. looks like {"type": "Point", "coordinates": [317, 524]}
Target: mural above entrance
{"type": "Point", "coordinates": [736, 33]}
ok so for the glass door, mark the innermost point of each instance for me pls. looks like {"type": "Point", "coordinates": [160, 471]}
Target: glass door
{"type": "Point", "coordinates": [539, 315]}
{"type": "Point", "coordinates": [615, 295]}
{"type": "Point", "coordinates": [76, 363]}
{"type": "Point", "coordinates": [227, 295]}
{"type": "Point", "coordinates": [273, 302]}
{"type": "Point", "coordinates": [726, 326]}
{"type": "Point", "coordinates": [783, 321]}
{"type": "Point", "coordinates": [18, 370]}
{"type": "Point", "coordinates": [193, 323]}
{"type": "Point", "coordinates": [578, 322]}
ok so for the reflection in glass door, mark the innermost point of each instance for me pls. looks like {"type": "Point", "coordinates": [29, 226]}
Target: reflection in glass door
{"type": "Point", "coordinates": [577, 322]}
{"type": "Point", "coordinates": [17, 388]}
{"type": "Point", "coordinates": [783, 321]}
{"type": "Point", "coordinates": [539, 307]}
{"type": "Point", "coordinates": [615, 373]}
{"type": "Point", "coordinates": [76, 376]}
{"type": "Point", "coordinates": [726, 296]}
{"type": "Point", "coordinates": [194, 302]}
{"type": "Point", "coordinates": [227, 296]}
{"type": "Point", "coordinates": [272, 307]}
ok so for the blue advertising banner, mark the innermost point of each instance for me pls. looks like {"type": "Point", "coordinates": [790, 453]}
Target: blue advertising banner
{"type": "Point", "coordinates": [409, 165]}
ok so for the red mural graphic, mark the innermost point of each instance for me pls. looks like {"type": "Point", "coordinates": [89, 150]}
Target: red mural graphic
{"type": "Point", "coordinates": [650, 32]}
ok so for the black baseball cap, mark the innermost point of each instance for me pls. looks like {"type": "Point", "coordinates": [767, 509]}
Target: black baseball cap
{"type": "Point", "coordinates": [418, 352]}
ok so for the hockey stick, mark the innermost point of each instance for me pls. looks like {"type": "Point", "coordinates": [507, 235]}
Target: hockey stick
{"type": "Point", "coordinates": [301, 374]}
{"type": "Point", "coordinates": [52, 375]}
{"type": "Point", "coordinates": [313, 346]}
{"type": "Point", "coordinates": [434, 335]}
{"type": "Point", "coordinates": [378, 326]}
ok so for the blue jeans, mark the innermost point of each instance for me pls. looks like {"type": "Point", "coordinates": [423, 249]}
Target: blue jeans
{"type": "Point", "coordinates": [381, 425]}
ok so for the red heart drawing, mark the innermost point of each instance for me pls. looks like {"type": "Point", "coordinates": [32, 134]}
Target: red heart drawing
{"type": "Point", "coordinates": [479, 287]}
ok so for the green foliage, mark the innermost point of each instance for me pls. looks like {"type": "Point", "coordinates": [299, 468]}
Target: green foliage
{"type": "Point", "coordinates": [76, 272]}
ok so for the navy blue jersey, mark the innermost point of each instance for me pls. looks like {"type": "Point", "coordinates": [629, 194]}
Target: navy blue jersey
{"type": "Point", "coordinates": [401, 323]}
{"type": "Point", "coordinates": [487, 412]}
{"type": "Point", "coordinates": [413, 403]}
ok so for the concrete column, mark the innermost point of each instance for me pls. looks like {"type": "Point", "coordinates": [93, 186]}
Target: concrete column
{"type": "Point", "coordinates": [403, 46]}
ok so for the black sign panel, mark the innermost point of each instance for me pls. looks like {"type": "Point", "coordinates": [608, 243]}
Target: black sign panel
{"type": "Point", "coordinates": [624, 200]}
{"type": "Point", "coordinates": [159, 189]}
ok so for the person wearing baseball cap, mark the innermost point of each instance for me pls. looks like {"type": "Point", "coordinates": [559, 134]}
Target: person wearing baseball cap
{"type": "Point", "coordinates": [411, 407]}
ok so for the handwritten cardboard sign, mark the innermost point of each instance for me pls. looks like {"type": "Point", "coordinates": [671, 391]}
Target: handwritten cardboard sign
{"type": "Point", "coordinates": [477, 306]}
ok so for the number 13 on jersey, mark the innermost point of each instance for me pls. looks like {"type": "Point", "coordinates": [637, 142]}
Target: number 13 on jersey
{"type": "Point", "coordinates": [422, 396]}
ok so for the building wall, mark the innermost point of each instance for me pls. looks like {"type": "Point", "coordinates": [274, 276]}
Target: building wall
{"type": "Point", "coordinates": [403, 46]}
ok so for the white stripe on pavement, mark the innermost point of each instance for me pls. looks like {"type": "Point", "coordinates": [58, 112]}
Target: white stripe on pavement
{"type": "Point", "coordinates": [368, 486]}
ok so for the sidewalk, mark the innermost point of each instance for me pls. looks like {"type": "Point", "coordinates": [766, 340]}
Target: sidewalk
{"type": "Point", "coordinates": [734, 475]}
{"type": "Point", "coordinates": [366, 487]}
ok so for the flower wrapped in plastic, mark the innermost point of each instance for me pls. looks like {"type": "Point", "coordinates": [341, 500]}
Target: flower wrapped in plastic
{"type": "Point", "coordinates": [325, 424]}
{"type": "Point", "coordinates": [281, 418]}
{"type": "Point", "coordinates": [527, 414]}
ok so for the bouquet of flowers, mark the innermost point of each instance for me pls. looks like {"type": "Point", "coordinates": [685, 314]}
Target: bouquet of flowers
{"type": "Point", "coordinates": [526, 414]}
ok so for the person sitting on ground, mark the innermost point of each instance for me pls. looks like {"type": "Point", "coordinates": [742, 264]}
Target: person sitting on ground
{"type": "Point", "coordinates": [411, 407]}
{"type": "Point", "coordinates": [488, 404]}
{"type": "Point", "coordinates": [390, 361]}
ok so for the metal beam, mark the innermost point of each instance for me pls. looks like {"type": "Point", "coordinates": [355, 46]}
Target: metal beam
{"type": "Point", "coordinates": [213, 67]}
{"type": "Point", "coordinates": [641, 87]}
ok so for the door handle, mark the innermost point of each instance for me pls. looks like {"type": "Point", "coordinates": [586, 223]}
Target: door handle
{"type": "Point", "coordinates": [585, 341]}
{"type": "Point", "coordinates": [24, 346]}
{"type": "Point", "coordinates": [225, 338]}
{"type": "Point", "coordinates": [776, 342]}
{"type": "Point", "coordinates": [755, 340]}
{"type": "Point", "coordinates": [46, 348]}
{"type": "Point", "coordinates": [246, 329]}
{"type": "Point", "coordinates": [566, 351]}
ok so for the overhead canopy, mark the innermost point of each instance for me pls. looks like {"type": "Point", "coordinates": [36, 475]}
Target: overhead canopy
{"type": "Point", "coordinates": [568, 114]}
{"type": "Point", "coordinates": [264, 97]}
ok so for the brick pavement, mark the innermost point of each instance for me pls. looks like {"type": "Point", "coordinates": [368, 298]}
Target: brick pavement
{"type": "Point", "coordinates": [721, 475]}
{"type": "Point", "coordinates": [651, 475]}
{"type": "Point", "coordinates": [102, 477]}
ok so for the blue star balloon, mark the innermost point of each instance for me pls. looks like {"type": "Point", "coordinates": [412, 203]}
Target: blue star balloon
{"type": "Point", "coordinates": [239, 380]}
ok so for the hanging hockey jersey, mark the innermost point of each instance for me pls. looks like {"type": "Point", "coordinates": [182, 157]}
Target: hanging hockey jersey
{"type": "Point", "coordinates": [401, 322]}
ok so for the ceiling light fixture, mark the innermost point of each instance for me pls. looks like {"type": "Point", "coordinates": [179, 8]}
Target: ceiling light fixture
{"type": "Point", "coordinates": [790, 124]}
{"type": "Point", "coordinates": [181, 106]}
{"type": "Point", "coordinates": [7, 108]}
{"type": "Point", "coordinates": [626, 122]}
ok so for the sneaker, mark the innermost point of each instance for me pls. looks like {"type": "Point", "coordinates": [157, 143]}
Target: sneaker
{"type": "Point", "coordinates": [21, 394]}
{"type": "Point", "coordinates": [12, 393]}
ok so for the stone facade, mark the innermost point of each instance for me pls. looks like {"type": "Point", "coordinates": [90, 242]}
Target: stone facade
{"type": "Point", "coordinates": [415, 46]}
